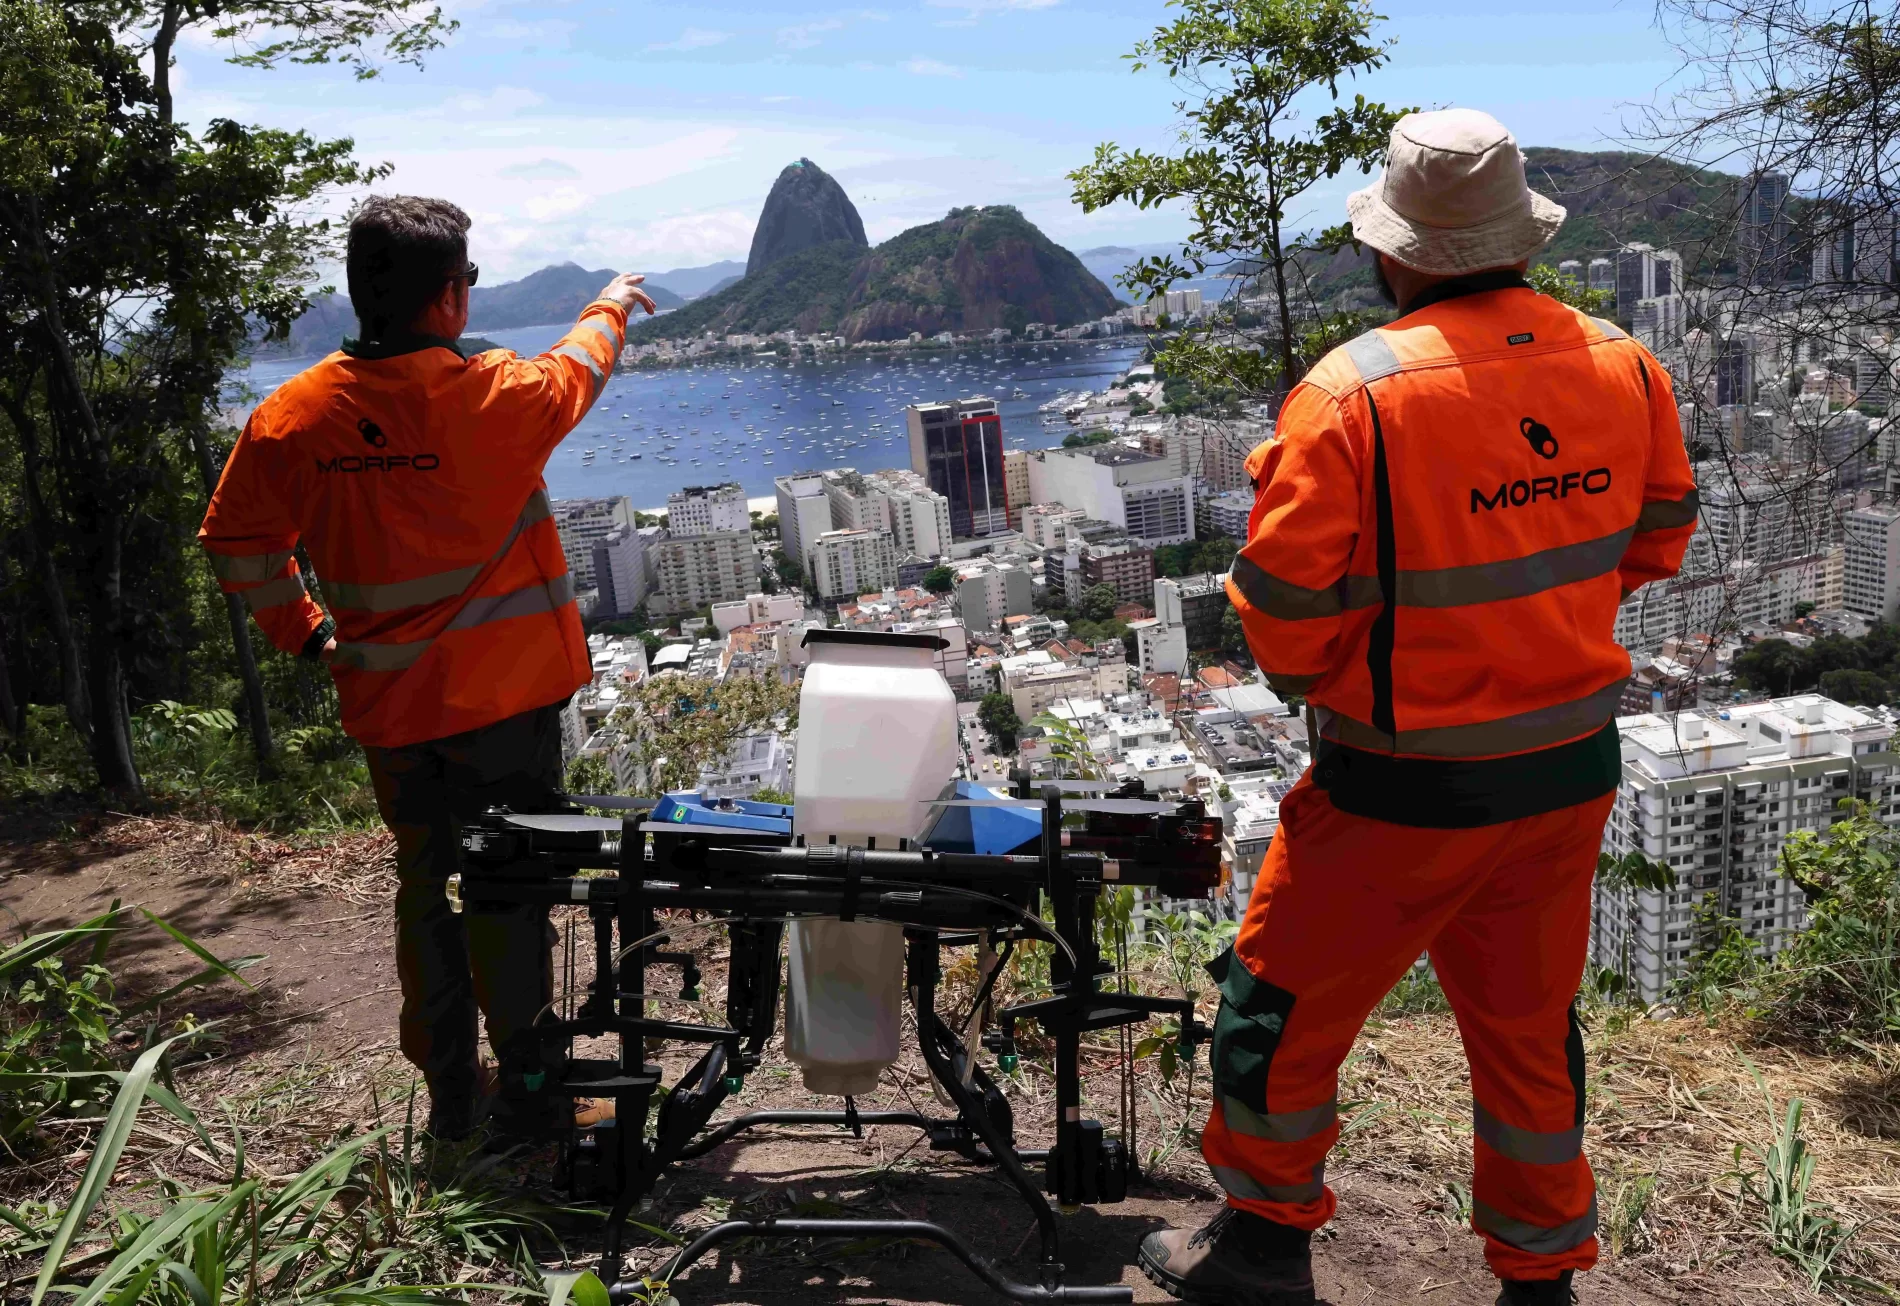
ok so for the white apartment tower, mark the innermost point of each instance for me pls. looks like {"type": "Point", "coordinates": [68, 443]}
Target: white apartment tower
{"type": "Point", "coordinates": [582, 524]}
{"type": "Point", "coordinates": [1872, 567]}
{"type": "Point", "coordinates": [706, 510]}
{"type": "Point", "coordinates": [847, 563]}
{"type": "Point", "coordinates": [1714, 796]}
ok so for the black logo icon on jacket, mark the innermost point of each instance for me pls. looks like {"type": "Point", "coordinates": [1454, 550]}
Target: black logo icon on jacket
{"type": "Point", "coordinates": [373, 434]}
{"type": "Point", "coordinates": [1540, 437]}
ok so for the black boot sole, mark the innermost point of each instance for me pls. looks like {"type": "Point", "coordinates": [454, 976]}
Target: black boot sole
{"type": "Point", "coordinates": [1176, 1286]}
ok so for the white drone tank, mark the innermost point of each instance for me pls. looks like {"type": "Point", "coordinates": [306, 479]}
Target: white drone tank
{"type": "Point", "coordinates": [877, 740]}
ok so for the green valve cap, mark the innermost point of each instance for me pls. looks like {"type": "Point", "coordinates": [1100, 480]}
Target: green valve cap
{"type": "Point", "coordinates": [1007, 1063]}
{"type": "Point", "coordinates": [733, 1083]}
{"type": "Point", "coordinates": [533, 1080]}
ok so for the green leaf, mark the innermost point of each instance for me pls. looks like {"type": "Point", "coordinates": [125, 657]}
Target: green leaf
{"type": "Point", "coordinates": [197, 949]}
{"type": "Point", "coordinates": [583, 1289]}
{"type": "Point", "coordinates": [105, 1158]}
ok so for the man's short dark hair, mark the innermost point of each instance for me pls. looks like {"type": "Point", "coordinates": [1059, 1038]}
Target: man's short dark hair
{"type": "Point", "coordinates": [401, 249]}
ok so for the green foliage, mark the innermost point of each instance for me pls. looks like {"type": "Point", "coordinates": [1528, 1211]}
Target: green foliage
{"type": "Point", "coordinates": [674, 725]}
{"type": "Point", "coordinates": [1721, 960]}
{"type": "Point", "coordinates": [1418, 993]}
{"type": "Point", "coordinates": [790, 574]}
{"type": "Point", "coordinates": [1545, 279]}
{"type": "Point", "coordinates": [1636, 872]}
{"type": "Point", "coordinates": [1253, 149]}
{"type": "Point", "coordinates": [1839, 981]}
{"type": "Point", "coordinates": [1211, 556]}
{"type": "Point", "coordinates": [1098, 603]}
{"type": "Point", "coordinates": [1777, 1180]}
{"type": "Point", "coordinates": [60, 1022]}
{"type": "Point", "coordinates": [1079, 440]}
{"type": "Point", "coordinates": [194, 760]}
{"type": "Point", "coordinates": [940, 580]}
{"type": "Point", "coordinates": [997, 715]}
{"type": "Point", "coordinates": [590, 774]}
{"type": "Point", "coordinates": [1777, 667]}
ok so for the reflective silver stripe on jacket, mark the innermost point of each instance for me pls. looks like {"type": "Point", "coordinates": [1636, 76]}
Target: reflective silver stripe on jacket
{"type": "Point", "coordinates": [579, 354]}
{"type": "Point", "coordinates": [1610, 329]}
{"type": "Point", "coordinates": [1523, 733]}
{"type": "Point", "coordinates": [1285, 601]}
{"type": "Point", "coordinates": [1662, 514]}
{"type": "Point", "coordinates": [1372, 356]}
{"type": "Point", "coordinates": [1512, 578]}
{"type": "Point", "coordinates": [246, 568]}
{"type": "Point", "coordinates": [421, 591]}
{"type": "Point", "coordinates": [1526, 1145]}
{"type": "Point", "coordinates": [275, 593]}
{"type": "Point", "coordinates": [1536, 1239]}
{"type": "Point", "coordinates": [1279, 1126]}
{"type": "Point", "coordinates": [542, 596]}
{"type": "Point", "coordinates": [1240, 1184]}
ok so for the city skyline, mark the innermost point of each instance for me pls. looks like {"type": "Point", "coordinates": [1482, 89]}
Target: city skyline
{"type": "Point", "coordinates": [649, 142]}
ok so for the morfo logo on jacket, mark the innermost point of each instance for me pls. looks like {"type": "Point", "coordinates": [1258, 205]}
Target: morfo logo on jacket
{"type": "Point", "coordinates": [1517, 494]}
{"type": "Point", "coordinates": [390, 462]}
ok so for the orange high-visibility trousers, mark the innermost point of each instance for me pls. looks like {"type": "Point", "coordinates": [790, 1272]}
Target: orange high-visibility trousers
{"type": "Point", "coordinates": [1344, 905]}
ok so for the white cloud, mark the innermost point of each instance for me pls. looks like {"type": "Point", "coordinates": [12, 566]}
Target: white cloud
{"type": "Point", "coordinates": [693, 38]}
{"type": "Point", "coordinates": [931, 68]}
{"type": "Point", "coordinates": [539, 170]}
{"type": "Point", "coordinates": [556, 203]}
{"type": "Point", "coordinates": [499, 103]}
{"type": "Point", "coordinates": [803, 36]}
{"type": "Point", "coordinates": [975, 8]}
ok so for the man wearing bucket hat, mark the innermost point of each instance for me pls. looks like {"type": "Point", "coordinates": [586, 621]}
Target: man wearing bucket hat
{"type": "Point", "coordinates": [1444, 526]}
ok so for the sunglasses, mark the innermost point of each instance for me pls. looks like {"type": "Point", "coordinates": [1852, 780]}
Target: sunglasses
{"type": "Point", "coordinates": [470, 274]}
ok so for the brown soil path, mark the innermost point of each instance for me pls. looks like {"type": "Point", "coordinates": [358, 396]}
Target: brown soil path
{"type": "Point", "coordinates": [326, 991]}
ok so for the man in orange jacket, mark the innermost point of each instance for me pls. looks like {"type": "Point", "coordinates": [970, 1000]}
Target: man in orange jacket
{"type": "Point", "coordinates": [410, 477]}
{"type": "Point", "coordinates": [1444, 526]}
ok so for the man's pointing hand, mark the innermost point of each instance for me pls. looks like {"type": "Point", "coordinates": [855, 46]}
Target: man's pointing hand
{"type": "Point", "coordinates": [625, 291]}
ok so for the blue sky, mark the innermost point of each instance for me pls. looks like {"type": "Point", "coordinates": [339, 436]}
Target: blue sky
{"type": "Point", "coordinates": [645, 137]}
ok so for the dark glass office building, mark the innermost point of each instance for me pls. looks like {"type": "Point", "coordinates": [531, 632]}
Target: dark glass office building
{"type": "Point", "coordinates": [958, 448]}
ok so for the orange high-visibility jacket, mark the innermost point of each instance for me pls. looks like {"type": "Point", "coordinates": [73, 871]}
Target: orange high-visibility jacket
{"type": "Point", "coordinates": [413, 479]}
{"type": "Point", "coordinates": [1448, 518]}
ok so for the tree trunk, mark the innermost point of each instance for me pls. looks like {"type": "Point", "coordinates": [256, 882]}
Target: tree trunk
{"type": "Point", "coordinates": [66, 390]}
{"type": "Point", "coordinates": [12, 711]}
{"type": "Point", "coordinates": [40, 534]}
{"type": "Point", "coordinates": [261, 742]}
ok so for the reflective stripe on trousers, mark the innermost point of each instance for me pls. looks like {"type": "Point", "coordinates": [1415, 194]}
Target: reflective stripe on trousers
{"type": "Point", "coordinates": [1238, 1183]}
{"type": "Point", "coordinates": [542, 596]}
{"type": "Point", "coordinates": [1536, 1239]}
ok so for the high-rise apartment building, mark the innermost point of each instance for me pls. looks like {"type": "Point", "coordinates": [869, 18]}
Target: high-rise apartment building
{"type": "Point", "coordinates": [621, 571]}
{"type": "Point", "coordinates": [1198, 603]}
{"type": "Point", "coordinates": [1645, 272]}
{"type": "Point", "coordinates": [697, 571]}
{"type": "Point", "coordinates": [1602, 274]}
{"type": "Point", "coordinates": [1854, 250]}
{"type": "Point", "coordinates": [582, 524]}
{"type": "Point", "coordinates": [896, 501]}
{"type": "Point", "coordinates": [849, 562]}
{"type": "Point", "coordinates": [1871, 572]}
{"type": "Point", "coordinates": [1016, 479]}
{"type": "Point", "coordinates": [706, 510]}
{"type": "Point", "coordinates": [1765, 250]}
{"type": "Point", "coordinates": [804, 513]}
{"type": "Point", "coordinates": [1136, 491]}
{"type": "Point", "coordinates": [958, 449]}
{"type": "Point", "coordinates": [987, 591]}
{"type": "Point", "coordinates": [1713, 796]}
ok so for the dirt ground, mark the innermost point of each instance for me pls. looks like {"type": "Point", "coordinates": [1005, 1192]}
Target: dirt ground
{"type": "Point", "coordinates": [312, 1048]}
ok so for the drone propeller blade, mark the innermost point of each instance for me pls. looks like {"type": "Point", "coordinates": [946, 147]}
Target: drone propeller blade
{"type": "Point", "coordinates": [1128, 806]}
{"type": "Point", "coordinates": [567, 824]}
{"type": "Point", "coordinates": [611, 802]}
{"type": "Point", "coordinates": [1073, 786]}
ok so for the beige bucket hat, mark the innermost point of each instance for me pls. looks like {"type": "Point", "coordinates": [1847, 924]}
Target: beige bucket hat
{"type": "Point", "coordinates": [1453, 198]}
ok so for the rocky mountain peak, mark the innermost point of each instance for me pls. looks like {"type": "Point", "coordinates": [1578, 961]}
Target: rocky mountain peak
{"type": "Point", "coordinates": [807, 207]}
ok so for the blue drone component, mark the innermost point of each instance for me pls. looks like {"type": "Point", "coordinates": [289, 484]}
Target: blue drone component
{"type": "Point", "coordinates": [988, 830]}
{"type": "Point", "coordinates": [689, 807]}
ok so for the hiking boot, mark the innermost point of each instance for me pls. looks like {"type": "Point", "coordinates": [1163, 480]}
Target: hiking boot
{"type": "Point", "coordinates": [456, 1110]}
{"type": "Point", "coordinates": [1236, 1259]}
{"type": "Point", "coordinates": [1536, 1292]}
